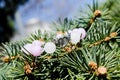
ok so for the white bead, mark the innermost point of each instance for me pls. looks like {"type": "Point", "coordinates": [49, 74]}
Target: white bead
{"type": "Point", "coordinates": [50, 47]}
{"type": "Point", "coordinates": [75, 38]}
{"type": "Point", "coordinates": [82, 33]}
{"type": "Point", "coordinates": [77, 35]}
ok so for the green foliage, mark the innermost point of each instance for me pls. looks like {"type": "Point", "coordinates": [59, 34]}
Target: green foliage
{"type": "Point", "coordinates": [39, 35]}
{"type": "Point", "coordinates": [79, 60]}
{"type": "Point", "coordinates": [64, 65]}
{"type": "Point", "coordinates": [114, 10]}
{"type": "Point", "coordinates": [65, 25]}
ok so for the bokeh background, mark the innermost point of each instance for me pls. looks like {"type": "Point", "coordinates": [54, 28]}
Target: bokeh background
{"type": "Point", "coordinates": [20, 18]}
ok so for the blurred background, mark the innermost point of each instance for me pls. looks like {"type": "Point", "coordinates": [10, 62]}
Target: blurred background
{"type": "Point", "coordinates": [20, 18]}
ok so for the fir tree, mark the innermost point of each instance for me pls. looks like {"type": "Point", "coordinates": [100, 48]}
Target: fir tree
{"type": "Point", "coordinates": [87, 48]}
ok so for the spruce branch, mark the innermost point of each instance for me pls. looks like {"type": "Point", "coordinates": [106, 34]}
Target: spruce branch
{"type": "Point", "coordinates": [94, 57]}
